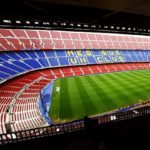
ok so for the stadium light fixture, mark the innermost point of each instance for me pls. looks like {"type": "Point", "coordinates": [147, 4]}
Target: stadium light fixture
{"type": "Point", "coordinates": [134, 29]}
{"type": "Point", "coordinates": [18, 21]}
{"type": "Point", "coordinates": [93, 26]}
{"type": "Point", "coordinates": [123, 28]}
{"type": "Point", "coordinates": [118, 28]}
{"type": "Point", "coordinates": [6, 21]}
{"type": "Point", "coordinates": [57, 129]}
{"type": "Point", "coordinates": [46, 23]}
{"type": "Point", "coordinates": [78, 25]}
{"type": "Point", "coordinates": [63, 24]}
{"type": "Point", "coordinates": [36, 22]}
{"type": "Point", "coordinates": [99, 26]}
{"type": "Point", "coordinates": [27, 22]}
{"type": "Point", "coordinates": [86, 25]}
{"type": "Point", "coordinates": [112, 27]}
{"type": "Point", "coordinates": [71, 24]}
{"type": "Point", "coordinates": [55, 23]}
{"type": "Point", "coordinates": [129, 28]}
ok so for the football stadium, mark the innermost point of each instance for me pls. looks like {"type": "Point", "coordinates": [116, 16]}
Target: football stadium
{"type": "Point", "coordinates": [76, 79]}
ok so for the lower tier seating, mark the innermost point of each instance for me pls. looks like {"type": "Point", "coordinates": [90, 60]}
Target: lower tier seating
{"type": "Point", "coordinates": [18, 97]}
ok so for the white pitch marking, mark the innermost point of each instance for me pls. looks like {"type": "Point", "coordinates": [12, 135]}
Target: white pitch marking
{"type": "Point", "coordinates": [58, 89]}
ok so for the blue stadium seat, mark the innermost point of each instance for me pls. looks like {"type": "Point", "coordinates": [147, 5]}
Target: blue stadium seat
{"type": "Point", "coordinates": [91, 60]}
{"type": "Point", "coordinates": [124, 52]}
{"type": "Point", "coordinates": [145, 58]}
{"type": "Point", "coordinates": [13, 67]}
{"type": "Point", "coordinates": [1, 60]}
{"type": "Point", "coordinates": [63, 61]}
{"type": "Point", "coordinates": [3, 75]}
{"type": "Point", "coordinates": [60, 53]}
{"type": "Point", "coordinates": [128, 59]}
{"type": "Point", "coordinates": [140, 58]}
{"type": "Point", "coordinates": [23, 55]}
{"type": "Point", "coordinates": [133, 56]}
{"type": "Point", "coordinates": [50, 54]}
{"type": "Point", "coordinates": [33, 63]}
{"type": "Point", "coordinates": [44, 62]}
{"type": "Point", "coordinates": [53, 62]}
{"type": "Point", "coordinates": [14, 55]}
{"type": "Point", "coordinates": [4, 57]}
{"type": "Point", "coordinates": [32, 54]}
{"type": "Point", "coordinates": [22, 65]}
{"type": "Point", "coordinates": [40, 54]}
{"type": "Point", "coordinates": [148, 58]}
{"type": "Point", "coordinates": [96, 52]}
{"type": "Point", "coordinates": [8, 71]}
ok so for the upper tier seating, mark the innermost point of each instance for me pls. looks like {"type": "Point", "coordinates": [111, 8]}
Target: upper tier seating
{"type": "Point", "coordinates": [19, 39]}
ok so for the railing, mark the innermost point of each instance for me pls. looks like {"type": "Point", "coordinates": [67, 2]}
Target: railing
{"type": "Point", "coordinates": [41, 132]}
{"type": "Point", "coordinates": [70, 127]}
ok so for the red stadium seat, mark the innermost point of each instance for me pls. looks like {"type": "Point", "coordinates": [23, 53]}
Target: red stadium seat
{"type": "Point", "coordinates": [6, 33]}
{"type": "Point", "coordinates": [65, 35]}
{"type": "Point", "coordinates": [44, 34]}
{"type": "Point", "coordinates": [32, 34]}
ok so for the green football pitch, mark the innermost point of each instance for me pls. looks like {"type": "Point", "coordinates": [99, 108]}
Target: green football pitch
{"type": "Point", "coordinates": [91, 95]}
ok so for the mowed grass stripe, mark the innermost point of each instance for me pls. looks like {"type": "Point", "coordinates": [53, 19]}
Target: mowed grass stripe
{"type": "Point", "coordinates": [102, 94]}
{"type": "Point", "coordinates": [115, 87]}
{"type": "Point", "coordinates": [65, 107]}
{"type": "Point", "coordinates": [87, 102]}
{"type": "Point", "coordinates": [141, 90]}
{"type": "Point", "coordinates": [127, 78]}
{"type": "Point", "coordinates": [128, 87]}
{"type": "Point", "coordinates": [93, 94]}
{"type": "Point", "coordinates": [75, 102]}
{"type": "Point", "coordinates": [123, 90]}
{"type": "Point", "coordinates": [138, 77]}
{"type": "Point", "coordinates": [137, 80]}
{"type": "Point", "coordinates": [131, 74]}
{"type": "Point", "coordinates": [138, 73]}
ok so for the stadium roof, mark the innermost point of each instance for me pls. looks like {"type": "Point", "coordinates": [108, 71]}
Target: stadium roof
{"type": "Point", "coordinates": [130, 13]}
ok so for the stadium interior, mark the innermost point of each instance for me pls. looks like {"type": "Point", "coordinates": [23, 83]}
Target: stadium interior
{"type": "Point", "coordinates": [42, 41]}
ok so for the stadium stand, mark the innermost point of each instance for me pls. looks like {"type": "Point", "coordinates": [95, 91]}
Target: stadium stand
{"type": "Point", "coordinates": [29, 85]}
{"type": "Point", "coordinates": [15, 63]}
{"type": "Point", "coordinates": [30, 59]}
{"type": "Point", "coordinates": [17, 39]}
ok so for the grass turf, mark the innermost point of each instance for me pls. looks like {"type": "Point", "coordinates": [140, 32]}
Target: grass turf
{"type": "Point", "coordinates": [95, 94]}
